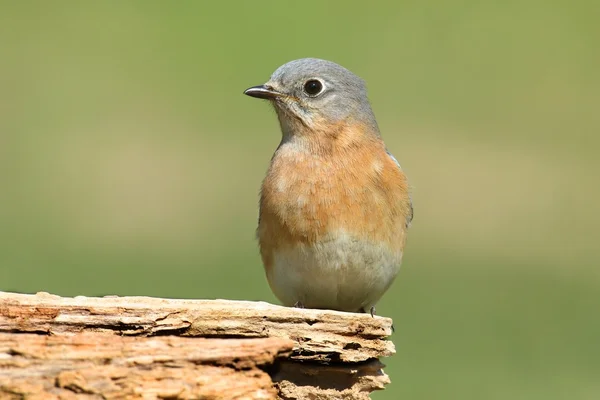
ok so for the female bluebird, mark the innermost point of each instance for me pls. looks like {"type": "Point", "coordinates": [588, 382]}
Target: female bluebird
{"type": "Point", "coordinates": [335, 205]}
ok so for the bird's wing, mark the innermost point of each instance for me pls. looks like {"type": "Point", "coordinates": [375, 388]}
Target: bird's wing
{"type": "Point", "coordinates": [409, 217]}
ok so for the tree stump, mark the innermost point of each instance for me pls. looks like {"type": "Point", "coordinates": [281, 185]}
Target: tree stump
{"type": "Point", "coordinates": [111, 347]}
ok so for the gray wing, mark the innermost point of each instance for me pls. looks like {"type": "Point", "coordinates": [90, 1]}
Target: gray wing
{"type": "Point", "coordinates": [409, 217]}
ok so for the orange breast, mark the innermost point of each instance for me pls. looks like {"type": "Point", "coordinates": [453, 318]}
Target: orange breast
{"type": "Point", "coordinates": [307, 196]}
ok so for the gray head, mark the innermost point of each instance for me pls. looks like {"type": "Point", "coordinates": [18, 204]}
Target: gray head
{"type": "Point", "coordinates": [316, 93]}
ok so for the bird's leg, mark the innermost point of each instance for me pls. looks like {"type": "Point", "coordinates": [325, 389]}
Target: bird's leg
{"type": "Point", "coordinates": [371, 311]}
{"type": "Point", "coordinates": [298, 304]}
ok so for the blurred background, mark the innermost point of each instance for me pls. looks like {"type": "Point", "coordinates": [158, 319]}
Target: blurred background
{"type": "Point", "coordinates": [130, 164]}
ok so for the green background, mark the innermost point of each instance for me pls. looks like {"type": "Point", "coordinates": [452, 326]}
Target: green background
{"type": "Point", "coordinates": [130, 163]}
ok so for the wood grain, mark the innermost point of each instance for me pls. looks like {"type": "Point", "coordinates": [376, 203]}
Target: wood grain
{"type": "Point", "coordinates": [55, 347]}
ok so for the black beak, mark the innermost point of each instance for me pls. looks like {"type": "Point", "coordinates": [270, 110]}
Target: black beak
{"type": "Point", "coordinates": [262, 92]}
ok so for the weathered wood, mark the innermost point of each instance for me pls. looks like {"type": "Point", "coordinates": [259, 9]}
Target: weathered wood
{"type": "Point", "coordinates": [147, 348]}
{"type": "Point", "coordinates": [106, 366]}
{"type": "Point", "coordinates": [320, 335]}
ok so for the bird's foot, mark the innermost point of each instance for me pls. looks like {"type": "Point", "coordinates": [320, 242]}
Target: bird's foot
{"type": "Point", "coordinates": [299, 304]}
{"type": "Point", "coordinates": [371, 311]}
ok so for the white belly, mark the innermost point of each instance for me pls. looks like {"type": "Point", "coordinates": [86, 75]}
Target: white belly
{"type": "Point", "coordinates": [340, 273]}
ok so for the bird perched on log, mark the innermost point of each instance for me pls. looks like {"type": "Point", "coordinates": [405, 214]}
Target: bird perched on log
{"type": "Point", "coordinates": [335, 205]}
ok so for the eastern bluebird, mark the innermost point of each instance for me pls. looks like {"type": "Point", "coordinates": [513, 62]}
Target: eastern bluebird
{"type": "Point", "coordinates": [335, 205]}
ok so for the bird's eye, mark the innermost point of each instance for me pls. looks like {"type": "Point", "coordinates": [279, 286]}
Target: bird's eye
{"type": "Point", "coordinates": [313, 87]}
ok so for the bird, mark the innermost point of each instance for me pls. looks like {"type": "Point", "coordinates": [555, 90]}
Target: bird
{"type": "Point", "coordinates": [335, 205]}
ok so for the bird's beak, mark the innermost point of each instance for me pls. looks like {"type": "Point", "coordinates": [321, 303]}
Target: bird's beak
{"type": "Point", "coordinates": [262, 92]}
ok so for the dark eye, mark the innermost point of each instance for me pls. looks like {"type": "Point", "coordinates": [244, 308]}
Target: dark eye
{"type": "Point", "coordinates": [313, 87]}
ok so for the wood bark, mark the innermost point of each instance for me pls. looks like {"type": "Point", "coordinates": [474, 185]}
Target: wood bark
{"type": "Point", "coordinates": [53, 347]}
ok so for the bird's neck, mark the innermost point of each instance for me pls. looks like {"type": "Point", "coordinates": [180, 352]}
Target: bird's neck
{"type": "Point", "coordinates": [326, 138]}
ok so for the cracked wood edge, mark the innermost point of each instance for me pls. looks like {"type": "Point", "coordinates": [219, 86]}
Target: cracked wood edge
{"type": "Point", "coordinates": [295, 380]}
{"type": "Point", "coordinates": [318, 335]}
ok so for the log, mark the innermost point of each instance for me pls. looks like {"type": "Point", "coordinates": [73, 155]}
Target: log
{"type": "Point", "coordinates": [112, 347]}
